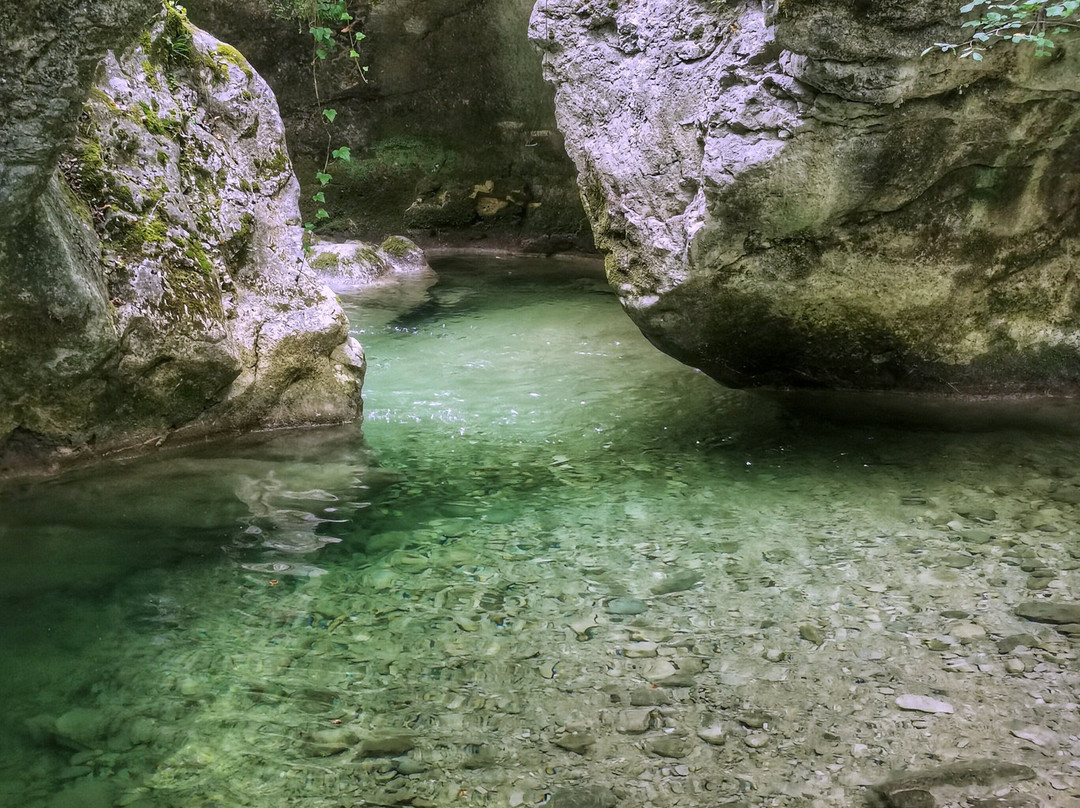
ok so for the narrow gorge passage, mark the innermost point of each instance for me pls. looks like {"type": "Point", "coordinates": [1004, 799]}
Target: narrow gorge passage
{"type": "Point", "coordinates": [541, 578]}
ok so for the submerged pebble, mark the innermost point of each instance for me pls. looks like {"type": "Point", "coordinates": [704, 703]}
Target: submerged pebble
{"type": "Point", "coordinates": [626, 606]}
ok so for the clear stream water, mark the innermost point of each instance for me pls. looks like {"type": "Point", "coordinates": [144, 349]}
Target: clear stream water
{"type": "Point", "coordinates": [557, 568]}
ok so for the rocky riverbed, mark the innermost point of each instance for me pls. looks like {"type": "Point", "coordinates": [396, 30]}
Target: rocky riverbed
{"type": "Point", "coordinates": [650, 601]}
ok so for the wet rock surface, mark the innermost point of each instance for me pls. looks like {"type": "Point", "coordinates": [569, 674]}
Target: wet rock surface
{"type": "Point", "coordinates": [792, 197]}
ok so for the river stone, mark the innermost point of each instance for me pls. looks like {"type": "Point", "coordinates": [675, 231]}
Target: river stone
{"type": "Point", "coordinates": [575, 741]}
{"type": "Point", "coordinates": [672, 746]}
{"type": "Point", "coordinates": [1047, 611]}
{"type": "Point", "coordinates": [649, 697]}
{"type": "Point", "coordinates": [325, 742]}
{"type": "Point", "coordinates": [626, 606]}
{"type": "Point", "coordinates": [776, 215]}
{"type": "Point", "coordinates": [163, 288]}
{"type": "Point", "coordinates": [968, 632]}
{"type": "Point", "coordinates": [82, 727]}
{"type": "Point", "coordinates": [677, 583]}
{"type": "Point", "coordinates": [954, 775]}
{"type": "Point", "coordinates": [1040, 736]}
{"type": "Point", "coordinates": [635, 721]}
{"type": "Point", "coordinates": [714, 736]}
{"type": "Point", "coordinates": [912, 798]}
{"type": "Point", "coordinates": [388, 744]}
{"type": "Point", "coordinates": [408, 765]}
{"type": "Point", "coordinates": [923, 704]}
{"type": "Point", "coordinates": [583, 797]}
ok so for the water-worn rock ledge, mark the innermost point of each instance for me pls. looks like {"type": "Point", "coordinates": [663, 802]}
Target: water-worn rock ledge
{"type": "Point", "coordinates": [156, 287]}
{"type": "Point", "coordinates": [792, 198]}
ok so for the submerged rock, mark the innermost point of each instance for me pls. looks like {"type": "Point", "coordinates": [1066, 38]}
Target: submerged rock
{"type": "Point", "coordinates": [923, 704]}
{"type": "Point", "coordinates": [915, 789]}
{"type": "Point", "coordinates": [1047, 611]}
{"type": "Point", "coordinates": [157, 287]}
{"type": "Point", "coordinates": [792, 198]}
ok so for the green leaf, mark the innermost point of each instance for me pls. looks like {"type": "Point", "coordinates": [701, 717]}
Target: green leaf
{"type": "Point", "coordinates": [323, 177]}
{"type": "Point", "coordinates": [976, 56]}
{"type": "Point", "coordinates": [353, 54]}
{"type": "Point", "coordinates": [321, 214]}
{"type": "Point", "coordinates": [320, 53]}
{"type": "Point", "coordinates": [319, 197]}
{"type": "Point", "coordinates": [344, 154]}
{"type": "Point", "coordinates": [329, 114]}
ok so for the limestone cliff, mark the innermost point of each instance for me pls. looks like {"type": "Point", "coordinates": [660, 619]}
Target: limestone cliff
{"type": "Point", "coordinates": [156, 288]}
{"type": "Point", "coordinates": [792, 198]}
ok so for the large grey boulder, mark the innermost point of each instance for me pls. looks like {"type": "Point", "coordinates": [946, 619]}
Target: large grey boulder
{"type": "Point", "coordinates": [792, 198]}
{"type": "Point", "coordinates": [157, 288]}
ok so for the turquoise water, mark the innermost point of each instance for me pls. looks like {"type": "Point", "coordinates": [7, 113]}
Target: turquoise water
{"type": "Point", "coordinates": [556, 568]}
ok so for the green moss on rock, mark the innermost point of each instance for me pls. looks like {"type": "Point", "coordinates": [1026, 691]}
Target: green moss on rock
{"type": "Point", "coordinates": [92, 176]}
{"type": "Point", "coordinates": [175, 46]}
{"type": "Point", "coordinates": [325, 262]}
{"type": "Point", "coordinates": [238, 246]}
{"type": "Point", "coordinates": [231, 55]}
{"type": "Point", "coordinates": [143, 232]}
{"type": "Point", "coordinates": [156, 125]}
{"type": "Point", "coordinates": [277, 163]}
{"type": "Point", "coordinates": [397, 246]}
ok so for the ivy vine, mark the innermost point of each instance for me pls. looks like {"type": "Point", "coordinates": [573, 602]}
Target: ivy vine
{"type": "Point", "coordinates": [332, 26]}
{"type": "Point", "coordinates": [1031, 22]}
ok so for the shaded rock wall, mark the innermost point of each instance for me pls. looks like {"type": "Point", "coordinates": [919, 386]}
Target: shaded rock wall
{"type": "Point", "coordinates": [47, 65]}
{"type": "Point", "coordinates": [792, 198]}
{"type": "Point", "coordinates": [453, 131]}
{"type": "Point", "coordinates": [157, 287]}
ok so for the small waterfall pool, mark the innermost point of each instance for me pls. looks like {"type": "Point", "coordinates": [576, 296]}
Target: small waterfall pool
{"type": "Point", "coordinates": [557, 568]}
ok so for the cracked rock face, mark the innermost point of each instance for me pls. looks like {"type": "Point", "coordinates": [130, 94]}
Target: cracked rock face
{"type": "Point", "coordinates": [792, 198]}
{"type": "Point", "coordinates": [158, 289]}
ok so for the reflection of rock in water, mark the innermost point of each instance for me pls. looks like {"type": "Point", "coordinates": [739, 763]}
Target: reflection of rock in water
{"type": "Point", "coordinates": [285, 568]}
{"type": "Point", "coordinates": [287, 530]}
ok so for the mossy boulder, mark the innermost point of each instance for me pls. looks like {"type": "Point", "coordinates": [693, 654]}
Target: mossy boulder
{"type": "Point", "coordinates": [352, 264]}
{"type": "Point", "coordinates": [170, 296]}
{"type": "Point", "coordinates": [795, 199]}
